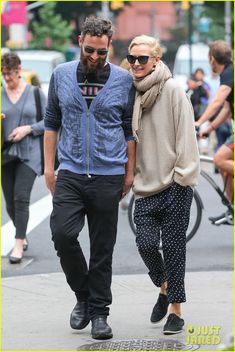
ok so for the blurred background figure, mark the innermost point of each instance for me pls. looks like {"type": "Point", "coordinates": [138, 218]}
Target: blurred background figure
{"type": "Point", "coordinates": [221, 61]}
{"type": "Point", "coordinates": [224, 130]}
{"type": "Point", "coordinates": [21, 154]}
{"type": "Point", "coordinates": [199, 92]}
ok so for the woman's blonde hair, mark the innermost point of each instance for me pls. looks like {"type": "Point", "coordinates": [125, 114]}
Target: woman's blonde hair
{"type": "Point", "coordinates": [147, 40]}
{"type": "Point", "coordinates": [125, 64]}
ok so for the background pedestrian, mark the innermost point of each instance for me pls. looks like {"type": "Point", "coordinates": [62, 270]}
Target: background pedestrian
{"type": "Point", "coordinates": [21, 154]}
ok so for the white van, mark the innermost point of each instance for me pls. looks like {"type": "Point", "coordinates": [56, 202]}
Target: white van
{"type": "Point", "coordinates": [199, 60]}
{"type": "Point", "coordinates": [42, 62]}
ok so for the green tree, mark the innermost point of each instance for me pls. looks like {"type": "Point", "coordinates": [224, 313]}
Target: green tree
{"type": "Point", "coordinates": [77, 9]}
{"type": "Point", "coordinates": [212, 11]}
{"type": "Point", "coordinates": [50, 31]}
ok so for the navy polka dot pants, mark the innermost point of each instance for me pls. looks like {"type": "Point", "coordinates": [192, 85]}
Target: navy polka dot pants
{"type": "Point", "coordinates": [165, 217]}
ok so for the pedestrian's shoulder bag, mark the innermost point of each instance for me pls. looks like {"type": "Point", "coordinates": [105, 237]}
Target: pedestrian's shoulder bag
{"type": "Point", "coordinates": [9, 150]}
{"type": "Point", "coordinates": [39, 117]}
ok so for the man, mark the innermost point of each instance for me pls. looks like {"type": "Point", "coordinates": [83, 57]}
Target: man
{"type": "Point", "coordinates": [220, 58]}
{"type": "Point", "coordinates": [90, 102]}
{"type": "Point", "coordinates": [225, 129]}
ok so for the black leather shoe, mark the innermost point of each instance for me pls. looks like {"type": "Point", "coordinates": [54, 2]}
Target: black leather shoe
{"type": "Point", "coordinates": [100, 330]}
{"type": "Point", "coordinates": [79, 317]}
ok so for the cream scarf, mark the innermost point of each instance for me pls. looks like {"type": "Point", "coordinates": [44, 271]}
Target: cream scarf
{"type": "Point", "coordinates": [148, 89]}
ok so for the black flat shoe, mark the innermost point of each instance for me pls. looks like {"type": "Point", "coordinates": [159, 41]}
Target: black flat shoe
{"type": "Point", "coordinates": [174, 325]}
{"type": "Point", "coordinates": [100, 330]}
{"type": "Point", "coordinates": [26, 245]}
{"type": "Point", "coordinates": [14, 260]}
{"type": "Point", "coordinates": [160, 309]}
{"type": "Point", "coordinates": [79, 317]}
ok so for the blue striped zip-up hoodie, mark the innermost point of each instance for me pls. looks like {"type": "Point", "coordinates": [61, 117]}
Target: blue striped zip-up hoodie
{"type": "Point", "coordinates": [94, 140]}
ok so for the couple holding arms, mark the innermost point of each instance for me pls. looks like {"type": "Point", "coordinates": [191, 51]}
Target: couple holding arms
{"type": "Point", "coordinates": [116, 130]}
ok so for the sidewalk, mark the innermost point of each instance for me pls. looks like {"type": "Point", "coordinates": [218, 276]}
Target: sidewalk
{"type": "Point", "coordinates": [36, 310]}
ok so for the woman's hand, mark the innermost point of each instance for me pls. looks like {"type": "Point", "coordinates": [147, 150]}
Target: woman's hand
{"type": "Point", "coordinates": [19, 133]}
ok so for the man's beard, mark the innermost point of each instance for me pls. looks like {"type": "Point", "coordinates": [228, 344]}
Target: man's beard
{"type": "Point", "coordinates": [88, 69]}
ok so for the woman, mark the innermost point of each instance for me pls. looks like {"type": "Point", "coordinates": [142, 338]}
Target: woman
{"type": "Point", "coordinates": [20, 126]}
{"type": "Point", "coordinates": [199, 92]}
{"type": "Point", "coordinates": [167, 169]}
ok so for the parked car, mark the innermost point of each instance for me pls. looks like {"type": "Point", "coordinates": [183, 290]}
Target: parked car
{"type": "Point", "coordinates": [42, 62]}
{"type": "Point", "coordinates": [181, 70]}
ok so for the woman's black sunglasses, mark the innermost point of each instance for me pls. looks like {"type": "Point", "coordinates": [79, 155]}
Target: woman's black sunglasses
{"type": "Point", "coordinates": [100, 52]}
{"type": "Point", "coordinates": [143, 59]}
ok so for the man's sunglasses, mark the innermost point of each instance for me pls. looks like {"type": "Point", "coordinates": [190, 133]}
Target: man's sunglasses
{"type": "Point", "coordinates": [90, 50]}
{"type": "Point", "coordinates": [143, 59]}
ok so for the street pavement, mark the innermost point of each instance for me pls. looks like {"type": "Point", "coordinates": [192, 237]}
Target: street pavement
{"type": "Point", "coordinates": [36, 310]}
{"type": "Point", "coordinates": [37, 302]}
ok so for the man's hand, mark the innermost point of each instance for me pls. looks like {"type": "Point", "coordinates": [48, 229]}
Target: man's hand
{"type": "Point", "coordinates": [197, 124]}
{"type": "Point", "coordinates": [130, 168]}
{"type": "Point", "coordinates": [19, 133]}
{"type": "Point", "coordinates": [128, 182]}
{"type": "Point", "coordinates": [50, 179]}
{"type": "Point", "coordinates": [50, 140]}
{"type": "Point", "coordinates": [205, 132]}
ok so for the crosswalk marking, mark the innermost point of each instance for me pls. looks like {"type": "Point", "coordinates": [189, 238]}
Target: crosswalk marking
{"type": "Point", "coordinates": [38, 212]}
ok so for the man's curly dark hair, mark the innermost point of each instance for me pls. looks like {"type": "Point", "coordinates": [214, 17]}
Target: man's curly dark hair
{"type": "Point", "coordinates": [97, 26]}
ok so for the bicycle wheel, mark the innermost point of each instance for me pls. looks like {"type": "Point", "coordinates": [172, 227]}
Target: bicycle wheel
{"type": "Point", "coordinates": [194, 221]}
{"type": "Point", "coordinates": [195, 216]}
